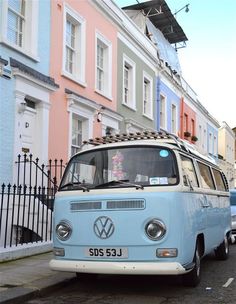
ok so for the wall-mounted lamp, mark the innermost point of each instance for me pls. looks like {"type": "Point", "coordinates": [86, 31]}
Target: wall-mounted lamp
{"type": "Point", "coordinates": [22, 107]}
{"type": "Point", "coordinates": [99, 117]}
{"type": "Point", "coordinates": [186, 7]}
{"type": "Point", "coordinates": [99, 114]}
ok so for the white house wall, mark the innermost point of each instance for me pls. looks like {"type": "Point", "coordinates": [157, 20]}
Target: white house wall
{"type": "Point", "coordinates": [202, 138]}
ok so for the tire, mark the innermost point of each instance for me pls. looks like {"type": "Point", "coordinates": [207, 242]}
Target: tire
{"type": "Point", "coordinates": [222, 252]}
{"type": "Point", "coordinates": [193, 278]}
{"type": "Point", "coordinates": [86, 276]}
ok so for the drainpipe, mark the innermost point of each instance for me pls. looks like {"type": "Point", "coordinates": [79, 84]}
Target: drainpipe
{"type": "Point", "coordinates": [158, 85]}
{"type": "Point", "coordinates": [158, 88]}
{"type": "Point", "coordinates": [182, 117]}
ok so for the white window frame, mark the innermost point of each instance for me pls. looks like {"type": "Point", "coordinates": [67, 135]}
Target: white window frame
{"type": "Point", "coordinates": [210, 143]}
{"type": "Point", "coordinates": [174, 119]}
{"type": "Point", "coordinates": [185, 123]}
{"type": "Point", "coordinates": [163, 98]}
{"type": "Point", "coordinates": [200, 135]}
{"type": "Point", "coordinates": [204, 144]}
{"type": "Point", "coordinates": [192, 127]}
{"type": "Point", "coordinates": [101, 50]}
{"type": "Point", "coordinates": [85, 127]}
{"type": "Point", "coordinates": [20, 22]}
{"type": "Point", "coordinates": [76, 146]}
{"type": "Point", "coordinates": [131, 102]}
{"type": "Point", "coordinates": [71, 50]}
{"type": "Point", "coordinates": [126, 83]}
{"type": "Point", "coordinates": [85, 112]}
{"type": "Point", "coordinates": [29, 45]}
{"type": "Point", "coordinates": [214, 145]}
{"type": "Point", "coordinates": [79, 48]}
{"type": "Point", "coordinates": [148, 84]}
{"type": "Point", "coordinates": [106, 89]}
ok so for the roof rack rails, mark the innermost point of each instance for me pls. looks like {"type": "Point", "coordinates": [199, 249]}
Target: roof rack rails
{"type": "Point", "coordinates": [136, 136]}
{"type": "Point", "coordinates": [180, 143]}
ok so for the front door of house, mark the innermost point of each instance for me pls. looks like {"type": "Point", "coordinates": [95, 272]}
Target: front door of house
{"type": "Point", "coordinates": [28, 138]}
{"type": "Point", "coordinates": [24, 169]}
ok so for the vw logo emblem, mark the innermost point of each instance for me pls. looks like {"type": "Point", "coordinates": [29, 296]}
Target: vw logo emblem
{"type": "Point", "coordinates": [103, 227]}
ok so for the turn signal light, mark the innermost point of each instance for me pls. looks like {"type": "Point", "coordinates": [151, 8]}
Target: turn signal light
{"type": "Point", "coordinates": [167, 252]}
{"type": "Point", "coordinates": [58, 251]}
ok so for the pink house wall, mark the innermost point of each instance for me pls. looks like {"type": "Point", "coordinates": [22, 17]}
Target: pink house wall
{"type": "Point", "coordinates": [191, 120]}
{"type": "Point", "coordinates": [59, 117]}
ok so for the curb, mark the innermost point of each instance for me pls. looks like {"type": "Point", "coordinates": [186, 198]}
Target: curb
{"type": "Point", "coordinates": [36, 288]}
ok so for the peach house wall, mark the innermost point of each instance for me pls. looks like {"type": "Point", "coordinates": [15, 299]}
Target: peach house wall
{"type": "Point", "coordinates": [185, 109]}
{"type": "Point", "coordinates": [59, 117]}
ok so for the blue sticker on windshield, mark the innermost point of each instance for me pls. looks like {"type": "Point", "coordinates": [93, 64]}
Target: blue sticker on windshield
{"type": "Point", "coordinates": [164, 153]}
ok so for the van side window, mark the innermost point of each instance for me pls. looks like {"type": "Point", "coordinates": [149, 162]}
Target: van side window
{"type": "Point", "coordinates": [188, 168]}
{"type": "Point", "coordinates": [220, 185]}
{"type": "Point", "coordinates": [206, 177]}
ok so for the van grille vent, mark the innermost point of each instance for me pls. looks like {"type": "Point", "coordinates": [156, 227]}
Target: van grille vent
{"type": "Point", "coordinates": [85, 206]}
{"type": "Point", "coordinates": [124, 204]}
{"type": "Point", "coordinates": [128, 204]}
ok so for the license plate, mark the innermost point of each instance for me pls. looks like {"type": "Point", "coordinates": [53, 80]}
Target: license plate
{"type": "Point", "coordinates": [105, 252]}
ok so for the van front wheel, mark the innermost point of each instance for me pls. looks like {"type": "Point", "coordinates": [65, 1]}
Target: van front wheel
{"type": "Point", "coordinates": [192, 278]}
{"type": "Point", "coordinates": [86, 276]}
{"type": "Point", "coordinates": [222, 252]}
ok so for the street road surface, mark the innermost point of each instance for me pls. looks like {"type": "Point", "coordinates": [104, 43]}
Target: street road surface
{"type": "Point", "coordinates": [218, 285]}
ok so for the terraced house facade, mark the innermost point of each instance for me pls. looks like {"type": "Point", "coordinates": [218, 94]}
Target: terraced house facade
{"type": "Point", "coordinates": [73, 70]}
{"type": "Point", "coordinates": [25, 84]}
{"type": "Point", "coordinates": [78, 70]}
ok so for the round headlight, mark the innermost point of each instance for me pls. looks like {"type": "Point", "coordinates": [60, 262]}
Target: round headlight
{"type": "Point", "coordinates": [63, 230]}
{"type": "Point", "coordinates": [155, 229]}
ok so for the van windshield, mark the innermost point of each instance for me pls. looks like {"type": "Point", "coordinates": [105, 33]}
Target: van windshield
{"type": "Point", "coordinates": [135, 166]}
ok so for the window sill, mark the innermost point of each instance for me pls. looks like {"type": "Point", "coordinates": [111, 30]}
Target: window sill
{"type": "Point", "coordinates": [73, 78]}
{"type": "Point", "coordinates": [129, 107]}
{"type": "Point", "coordinates": [23, 51]}
{"type": "Point", "coordinates": [148, 117]}
{"type": "Point", "coordinates": [103, 94]}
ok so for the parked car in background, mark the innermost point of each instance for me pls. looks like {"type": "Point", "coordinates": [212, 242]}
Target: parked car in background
{"type": "Point", "coordinates": [233, 213]}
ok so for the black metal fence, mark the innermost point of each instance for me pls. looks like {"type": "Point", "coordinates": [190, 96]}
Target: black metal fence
{"type": "Point", "coordinates": [30, 172]}
{"type": "Point", "coordinates": [26, 207]}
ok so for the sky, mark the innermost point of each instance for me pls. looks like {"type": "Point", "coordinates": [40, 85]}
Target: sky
{"type": "Point", "coordinates": [208, 62]}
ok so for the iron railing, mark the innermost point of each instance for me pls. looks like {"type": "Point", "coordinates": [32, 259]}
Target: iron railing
{"type": "Point", "coordinates": [31, 173]}
{"type": "Point", "coordinates": [26, 207]}
{"type": "Point", "coordinates": [25, 214]}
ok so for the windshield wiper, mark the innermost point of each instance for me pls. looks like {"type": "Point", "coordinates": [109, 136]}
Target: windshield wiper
{"type": "Point", "coordinates": [120, 181]}
{"type": "Point", "coordinates": [77, 186]}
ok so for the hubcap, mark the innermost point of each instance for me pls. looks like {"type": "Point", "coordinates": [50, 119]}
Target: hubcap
{"type": "Point", "coordinates": [226, 245]}
{"type": "Point", "coordinates": [198, 263]}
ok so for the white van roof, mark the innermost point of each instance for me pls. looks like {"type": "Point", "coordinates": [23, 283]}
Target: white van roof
{"type": "Point", "coordinates": [152, 137]}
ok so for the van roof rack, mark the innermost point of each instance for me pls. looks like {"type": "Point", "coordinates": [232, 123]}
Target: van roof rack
{"type": "Point", "coordinates": [137, 136]}
{"type": "Point", "coordinates": [126, 137]}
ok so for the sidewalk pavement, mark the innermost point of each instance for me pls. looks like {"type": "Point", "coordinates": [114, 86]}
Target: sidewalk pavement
{"type": "Point", "coordinates": [23, 279]}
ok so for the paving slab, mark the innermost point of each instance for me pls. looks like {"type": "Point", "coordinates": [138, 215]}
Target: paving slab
{"type": "Point", "coordinates": [23, 279]}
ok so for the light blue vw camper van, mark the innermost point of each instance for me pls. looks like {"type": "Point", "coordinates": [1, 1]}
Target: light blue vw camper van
{"type": "Point", "coordinates": [145, 203]}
